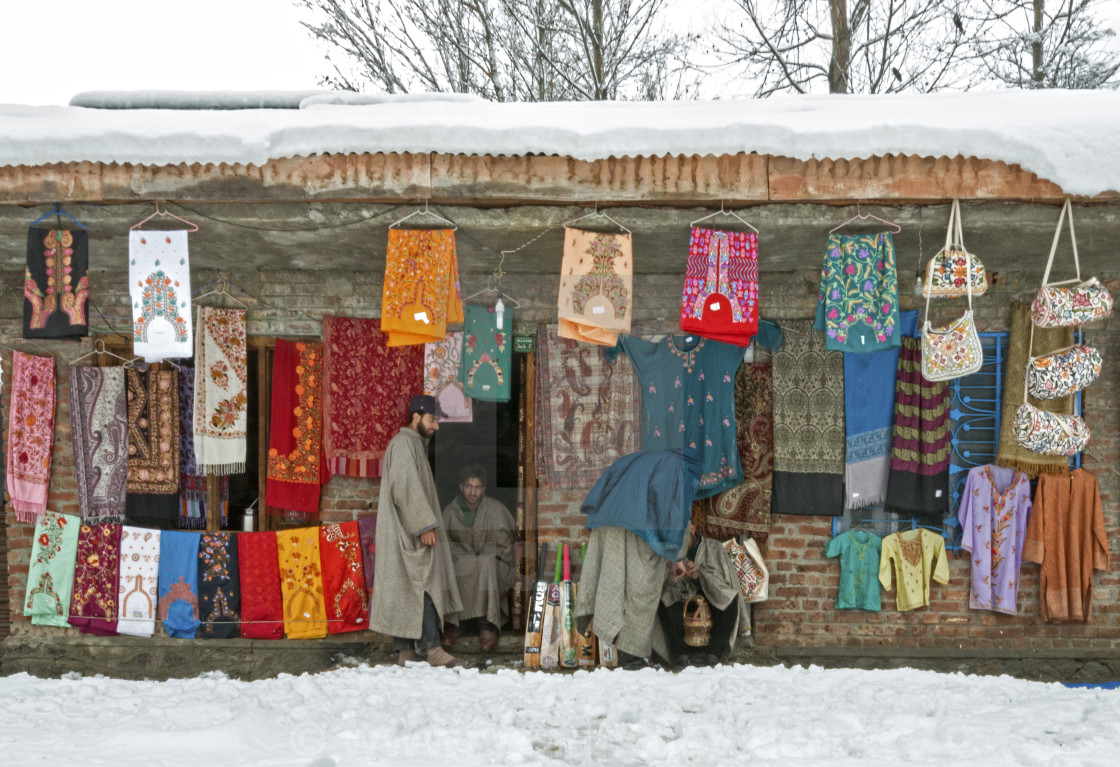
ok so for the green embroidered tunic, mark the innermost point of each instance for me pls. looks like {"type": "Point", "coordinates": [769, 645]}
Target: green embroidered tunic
{"type": "Point", "coordinates": [859, 553]}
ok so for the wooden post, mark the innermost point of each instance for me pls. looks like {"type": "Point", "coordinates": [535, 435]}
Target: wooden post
{"type": "Point", "coordinates": [530, 518]}
{"type": "Point", "coordinates": [264, 410]}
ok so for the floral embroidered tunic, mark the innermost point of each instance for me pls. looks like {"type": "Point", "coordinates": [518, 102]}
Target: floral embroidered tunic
{"type": "Point", "coordinates": [688, 400]}
{"type": "Point", "coordinates": [913, 553]}
{"type": "Point", "coordinates": [485, 368]}
{"type": "Point", "coordinates": [859, 552]}
{"type": "Point", "coordinates": [995, 509]}
{"type": "Point", "coordinates": [858, 302]}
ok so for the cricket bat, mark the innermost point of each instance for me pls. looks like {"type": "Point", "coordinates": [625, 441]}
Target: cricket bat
{"type": "Point", "coordinates": [569, 637]}
{"type": "Point", "coordinates": [550, 628]}
{"type": "Point", "coordinates": [533, 624]}
{"type": "Point", "coordinates": [588, 653]}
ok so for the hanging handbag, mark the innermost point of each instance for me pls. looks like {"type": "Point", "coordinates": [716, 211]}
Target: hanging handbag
{"type": "Point", "coordinates": [946, 272]}
{"type": "Point", "coordinates": [751, 570]}
{"type": "Point", "coordinates": [1048, 433]}
{"type": "Point", "coordinates": [952, 351]}
{"type": "Point", "coordinates": [1063, 372]}
{"type": "Point", "coordinates": [1077, 304]}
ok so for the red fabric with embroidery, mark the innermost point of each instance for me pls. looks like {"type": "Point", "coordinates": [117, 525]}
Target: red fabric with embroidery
{"type": "Point", "coordinates": [344, 580]}
{"type": "Point", "coordinates": [262, 611]}
{"type": "Point", "coordinates": [296, 468]}
{"type": "Point", "coordinates": [720, 297]}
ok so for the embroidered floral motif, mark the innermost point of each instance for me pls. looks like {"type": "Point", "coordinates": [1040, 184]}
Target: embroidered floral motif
{"type": "Point", "coordinates": [153, 431]}
{"type": "Point", "coordinates": [945, 275]}
{"type": "Point", "coordinates": [602, 279]}
{"type": "Point", "coordinates": [301, 464]}
{"type": "Point", "coordinates": [1061, 307]}
{"type": "Point", "coordinates": [725, 264]}
{"type": "Point", "coordinates": [58, 259]}
{"type": "Point", "coordinates": [158, 300]}
{"type": "Point", "coordinates": [911, 548]}
{"type": "Point", "coordinates": [1062, 373]}
{"type": "Point", "coordinates": [859, 286]}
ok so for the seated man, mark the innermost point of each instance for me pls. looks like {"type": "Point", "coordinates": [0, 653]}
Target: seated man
{"type": "Point", "coordinates": [480, 530]}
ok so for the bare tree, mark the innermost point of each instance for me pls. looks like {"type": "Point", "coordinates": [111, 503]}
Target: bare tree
{"type": "Point", "coordinates": [504, 50]}
{"type": "Point", "coordinates": [1038, 44]}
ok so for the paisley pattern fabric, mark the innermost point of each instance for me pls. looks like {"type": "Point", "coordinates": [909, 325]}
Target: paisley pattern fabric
{"type": "Point", "coordinates": [1064, 307]}
{"type": "Point", "coordinates": [99, 427]}
{"type": "Point", "coordinates": [858, 302]}
{"type": "Point", "coordinates": [442, 363]}
{"type": "Point", "coordinates": [720, 297]}
{"type": "Point", "coordinates": [301, 583]}
{"type": "Point", "coordinates": [487, 354]}
{"type": "Point", "coordinates": [596, 300]}
{"type": "Point", "coordinates": [344, 586]}
{"type": "Point", "coordinates": [367, 386]}
{"type": "Point", "coordinates": [30, 435]}
{"type": "Point", "coordinates": [159, 282]}
{"type": "Point", "coordinates": [220, 398]}
{"type": "Point", "coordinates": [1063, 373]}
{"type": "Point", "coordinates": [296, 468]}
{"type": "Point", "coordinates": [56, 284]}
{"type": "Point", "coordinates": [420, 295]}
{"type": "Point", "coordinates": [97, 571]}
{"type": "Point", "coordinates": [587, 411]}
{"type": "Point", "coordinates": [50, 574]}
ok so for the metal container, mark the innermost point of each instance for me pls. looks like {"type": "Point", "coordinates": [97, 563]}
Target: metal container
{"type": "Point", "coordinates": [249, 518]}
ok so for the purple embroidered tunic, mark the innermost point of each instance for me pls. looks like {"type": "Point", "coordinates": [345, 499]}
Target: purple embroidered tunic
{"type": "Point", "coordinates": [995, 509]}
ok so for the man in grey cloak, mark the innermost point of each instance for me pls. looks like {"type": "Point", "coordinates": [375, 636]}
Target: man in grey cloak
{"type": "Point", "coordinates": [414, 579]}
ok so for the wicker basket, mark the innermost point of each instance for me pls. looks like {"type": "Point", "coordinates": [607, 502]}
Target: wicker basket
{"type": "Point", "coordinates": [698, 624]}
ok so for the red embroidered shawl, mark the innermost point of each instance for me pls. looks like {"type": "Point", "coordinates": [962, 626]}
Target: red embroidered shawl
{"type": "Point", "coordinates": [30, 435]}
{"type": "Point", "coordinates": [262, 613]}
{"type": "Point", "coordinates": [344, 586]}
{"type": "Point", "coordinates": [296, 468]}
{"type": "Point", "coordinates": [93, 606]}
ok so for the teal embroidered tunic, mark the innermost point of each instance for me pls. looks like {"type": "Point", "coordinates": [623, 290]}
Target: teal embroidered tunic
{"type": "Point", "coordinates": [485, 368]}
{"type": "Point", "coordinates": [857, 306]}
{"type": "Point", "coordinates": [859, 553]}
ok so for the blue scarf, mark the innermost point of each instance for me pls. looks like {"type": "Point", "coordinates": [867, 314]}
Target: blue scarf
{"type": "Point", "coordinates": [178, 583]}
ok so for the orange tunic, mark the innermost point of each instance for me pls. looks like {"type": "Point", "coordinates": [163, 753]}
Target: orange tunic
{"type": "Point", "coordinates": [420, 295]}
{"type": "Point", "coordinates": [1066, 536]}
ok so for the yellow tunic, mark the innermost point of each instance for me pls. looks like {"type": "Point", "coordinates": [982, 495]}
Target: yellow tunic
{"type": "Point", "coordinates": [301, 583]}
{"type": "Point", "coordinates": [913, 553]}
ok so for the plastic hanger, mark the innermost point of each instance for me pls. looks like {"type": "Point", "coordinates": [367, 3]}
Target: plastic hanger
{"type": "Point", "coordinates": [99, 348]}
{"type": "Point", "coordinates": [596, 214]}
{"type": "Point", "coordinates": [138, 224]}
{"type": "Point", "coordinates": [724, 212]}
{"type": "Point", "coordinates": [860, 216]}
{"type": "Point", "coordinates": [424, 212]}
{"type": "Point", "coordinates": [57, 210]}
{"type": "Point", "coordinates": [221, 290]}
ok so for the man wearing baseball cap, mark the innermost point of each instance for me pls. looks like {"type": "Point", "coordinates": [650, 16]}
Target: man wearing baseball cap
{"type": "Point", "coordinates": [414, 591]}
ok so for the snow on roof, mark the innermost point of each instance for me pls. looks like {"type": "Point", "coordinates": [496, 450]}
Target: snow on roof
{"type": "Point", "coordinates": [1067, 137]}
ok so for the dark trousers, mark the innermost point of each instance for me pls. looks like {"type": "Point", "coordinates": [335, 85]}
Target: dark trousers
{"type": "Point", "coordinates": [429, 632]}
{"type": "Point", "coordinates": [723, 623]}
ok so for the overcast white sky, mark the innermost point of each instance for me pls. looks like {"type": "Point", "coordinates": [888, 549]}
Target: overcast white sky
{"type": "Point", "coordinates": [55, 49]}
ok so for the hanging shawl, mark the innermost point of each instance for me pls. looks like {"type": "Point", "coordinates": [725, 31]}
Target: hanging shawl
{"type": "Point", "coordinates": [262, 612]}
{"type": "Point", "coordinates": [720, 298]}
{"type": "Point", "coordinates": [420, 295]}
{"type": "Point", "coordinates": [745, 508]}
{"type": "Point", "coordinates": [178, 583]}
{"type": "Point", "coordinates": [50, 575]}
{"type": "Point", "coordinates": [596, 286]}
{"type": "Point", "coordinates": [219, 399]}
{"type": "Point", "coordinates": [30, 435]}
{"type": "Point", "coordinates": [588, 411]}
{"type": "Point", "coordinates": [869, 384]}
{"type": "Point", "coordinates": [301, 583]}
{"type": "Point", "coordinates": [219, 586]}
{"type": "Point", "coordinates": [139, 581]}
{"type": "Point", "coordinates": [159, 280]}
{"type": "Point", "coordinates": [344, 586]}
{"type": "Point", "coordinates": [487, 356]}
{"type": "Point", "coordinates": [153, 448]}
{"type": "Point", "coordinates": [858, 302]}
{"type": "Point", "coordinates": [366, 389]}
{"type": "Point", "coordinates": [99, 428]}
{"type": "Point", "coordinates": [1046, 340]}
{"type": "Point", "coordinates": [97, 571]}
{"type": "Point", "coordinates": [808, 389]}
{"type": "Point", "coordinates": [56, 284]}
{"type": "Point", "coordinates": [296, 468]}
{"type": "Point", "coordinates": [442, 361]}
{"type": "Point", "coordinates": [921, 442]}
{"type": "Point", "coordinates": [193, 485]}
{"type": "Point", "coordinates": [367, 536]}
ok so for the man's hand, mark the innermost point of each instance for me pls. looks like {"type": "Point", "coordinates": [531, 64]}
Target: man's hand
{"type": "Point", "coordinates": [690, 569]}
{"type": "Point", "coordinates": [428, 537]}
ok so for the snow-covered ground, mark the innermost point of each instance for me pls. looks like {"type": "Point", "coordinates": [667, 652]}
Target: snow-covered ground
{"type": "Point", "coordinates": [741, 715]}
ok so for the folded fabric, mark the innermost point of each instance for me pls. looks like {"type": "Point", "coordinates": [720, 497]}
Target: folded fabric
{"type": "Point", "coordinates": [420, 295]}
{"type": "Point", "coordinates": [153, 448]}
{"type": "Point", "coordinates": [99, 429]}
{"type": "Point", "coordinates": [219, 586]}
{"type": "Point", "coordinates": [30, 435]}
{"type": "Point", "coordinates": [50, 573]}
{"type": "Point", "coordinates": [262, 611]}
{"type": "Point", "coordinates": [487, 354]}
{"type": "Point", "coordinates": [442, 363]}
{"type": "Point", "coordinates": [178, 583]}
{"type": "Point", "coordinates": [596, 286]}
{"type": "Point", "coordinates": [220, 400]}
{"type": "Point", "coordinates": [857, 306]}
{"type": "Point", "coordinates": [344, 583]}
{"type": "Point", "coordinates": [139, 582]}
{"type": "Point", "coordinates": [296, 469]}
{"type": "Point", "coordinates": [97, 571]}
{"type": "Point", "coordinates": [56, 283]}
{"type": "Point", "coordinates": [301, 583]}
{"type": "Point", "coordinates": [720, 298]}
{"type": "Point", "coordinates": [159, 282]}
{"type": "Point", "coordinates": [367, 536]}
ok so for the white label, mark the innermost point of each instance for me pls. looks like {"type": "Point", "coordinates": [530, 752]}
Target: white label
{"type": "Point", "coordinates": [863, 339]}
{"type": "Point", "coordinates": [598, 309]}
{"type": "Point", "coordinates": [688, 339]}
{"type": "Point", "coordinates": [421, 317]}
{"type": "Point", "coordinates": [714, 307]}
{"type": "Point", "coordinates": [307, 615]}
{"type": "Point", "coordinates": [137, 613]}
{"type": "Point", "coordinates": [855, 495]}
{"type": "Point", "coordinates": [937, 494]}
{"type": "Point", "coordinates": [486, 387]}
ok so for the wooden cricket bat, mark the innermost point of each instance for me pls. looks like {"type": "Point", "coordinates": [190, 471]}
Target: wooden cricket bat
{"type": "Point", "coordinates": [588, 653]}
{"type": "Point", "coordinates": [550, 631]}
{"type": "Point", "coordinates": [569, 637]}
{"type": "Point", "coordinates": [534, 623]}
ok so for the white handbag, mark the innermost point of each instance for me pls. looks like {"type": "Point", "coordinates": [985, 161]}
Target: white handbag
{"type": "Point", "coordinates": [953, 266]}
{"type": "Point", "coordinates": [954, 350]}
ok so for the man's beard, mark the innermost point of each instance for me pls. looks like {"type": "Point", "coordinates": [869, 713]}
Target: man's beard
{"type": "Point", "coordinates": [425, 432]}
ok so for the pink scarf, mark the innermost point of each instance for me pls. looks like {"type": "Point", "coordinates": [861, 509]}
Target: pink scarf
{"type": "Point", "coordinates": [30, 435]}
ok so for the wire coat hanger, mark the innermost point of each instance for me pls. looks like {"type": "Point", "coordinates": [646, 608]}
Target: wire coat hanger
{"type": "Point", "coordinates": [860, 216]}
{"type": "Point", "coordinates": [596, 213]}
{"type": "Point", "coordinates": [724, 212]}
{"type": "Point", "coordinates": [57, 210]}
{"type": "Point", "coordinates": [222, 290]}
{"type": "Point", "coordinates": [138, 224]}
{"type": "Point", "coordinates": [99, 348]}
{"type": "Point", "coordinates": [425, 211]}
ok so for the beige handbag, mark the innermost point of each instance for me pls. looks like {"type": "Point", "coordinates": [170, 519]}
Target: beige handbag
{"type": "Point", "coordinates": [1084, 301]}
{"type": "Point", "coordinates": [754, 578]}
{"type": "Point", "coordinates": [948, 272]}
{"type": "Point", "coordinates": [952, 351]}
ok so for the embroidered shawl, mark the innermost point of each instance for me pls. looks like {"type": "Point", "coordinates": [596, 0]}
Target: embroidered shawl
{"type": "Point", "coordinates": [262, 612]}
{"type": "Point", "coordinates": [1011, 454]}
{"type": "Point", "coordinates": [139, 581]}
{"type": "Point", "coordinates": [442, 361]}
{"type": "Point", "coordinates": [178, 583]}
{"type": "Point", "coordinates": [50, 574]}
{"type": "Point", "coordinates": [296, 468]}
{"type": "Point", "coordinates": [30, 435]}
{"type": "Point", "coordinates": [219, 586]}
{"type": "Point", "coordinates": [745, 508]}
{"type": "Point", "coordinates": [367, 536]}
{"type": "Point", "coordinates": [487, 357]}
{"type": "Point", "coordinates": [301, 583]}
{"type": "Point", "coordinates": [220, 397]}
{"type": "Point", "coordinates": [808, 388]}
{"type": "Point", "coordinates": [99, 427]}
{"type": "Point", "coordinates": [159, 281]}
{"type": "Point", "coordinates": [720, 297]}
{"type": "Point", "coordinates": [153, 447]}
{"type": "Point", "coordinates": [56, 283]}
{"type": "Point", "coordinates": [921, 442]}
{"type": "Point", "coordinates": [857, 306]}
{"type": "Point", "coordinates": [420, 295]}
{"type": "Point", "coordinates": [366, 391]}
{"type": "Point", "coordinates": [193, 485]}
{"type": "Point", "coordinates": [97, 570]}
{"type": "Point", "coordinates": [344, 583]}
{"type": "Point", "coordinates": [596, 286]}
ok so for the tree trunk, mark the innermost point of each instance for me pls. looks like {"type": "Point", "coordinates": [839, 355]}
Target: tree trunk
{"type": "Point", "coordinates": [841, 47]}
{"type": "Point", "coordinates": [597, 21]}
{"type": "Point", "coordinates": [1037, 74]}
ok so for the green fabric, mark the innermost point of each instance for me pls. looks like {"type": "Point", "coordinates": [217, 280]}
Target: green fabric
{"type": "Point", "coordinates": [50, 577]}
{"type": "Point", "coordinates": [468, 515]}
{"type": "Point", "coordinates": [859, 553]}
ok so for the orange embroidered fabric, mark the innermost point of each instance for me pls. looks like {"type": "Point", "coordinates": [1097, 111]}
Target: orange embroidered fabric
{"type": "Point", "coordinates": [301, 583]}
{"type": "Point", "coordinates": [296, 468]}
{"type": "Point", "coordinates": [420, 295]}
